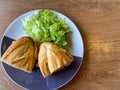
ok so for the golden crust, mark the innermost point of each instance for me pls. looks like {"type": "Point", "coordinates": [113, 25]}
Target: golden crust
{"type": "Point", "coordinates": [52, 58]}
{"type": "Point", "coordinates": [21, 54]}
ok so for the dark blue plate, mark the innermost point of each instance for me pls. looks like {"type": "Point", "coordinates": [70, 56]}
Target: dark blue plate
{"type": "Point", "coordinates": [35, 80]}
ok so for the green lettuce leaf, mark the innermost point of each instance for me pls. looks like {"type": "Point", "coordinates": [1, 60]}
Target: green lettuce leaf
{"type": "Point", "coordinates": [46, 26]}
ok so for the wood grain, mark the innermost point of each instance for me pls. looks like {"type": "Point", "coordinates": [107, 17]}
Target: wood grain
{"type": "Point", "coordinates": [99, 24]}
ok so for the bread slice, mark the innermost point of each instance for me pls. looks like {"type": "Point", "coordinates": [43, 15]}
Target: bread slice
{"type": "Point", "coordinates": [21, 54]}
{"type": "Point", "coordinates": [52, 58]}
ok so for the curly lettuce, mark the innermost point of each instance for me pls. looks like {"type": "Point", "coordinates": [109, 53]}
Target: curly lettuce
{"type": "Point", "coordinates": [46, 26]}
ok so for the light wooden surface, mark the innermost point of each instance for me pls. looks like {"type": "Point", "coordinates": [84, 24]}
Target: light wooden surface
{"type": "Point", "coordinates": [99, 24]}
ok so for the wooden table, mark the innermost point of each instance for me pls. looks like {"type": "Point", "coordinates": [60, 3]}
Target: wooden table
{"type": "Point", "coordinates": [99, 24]}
